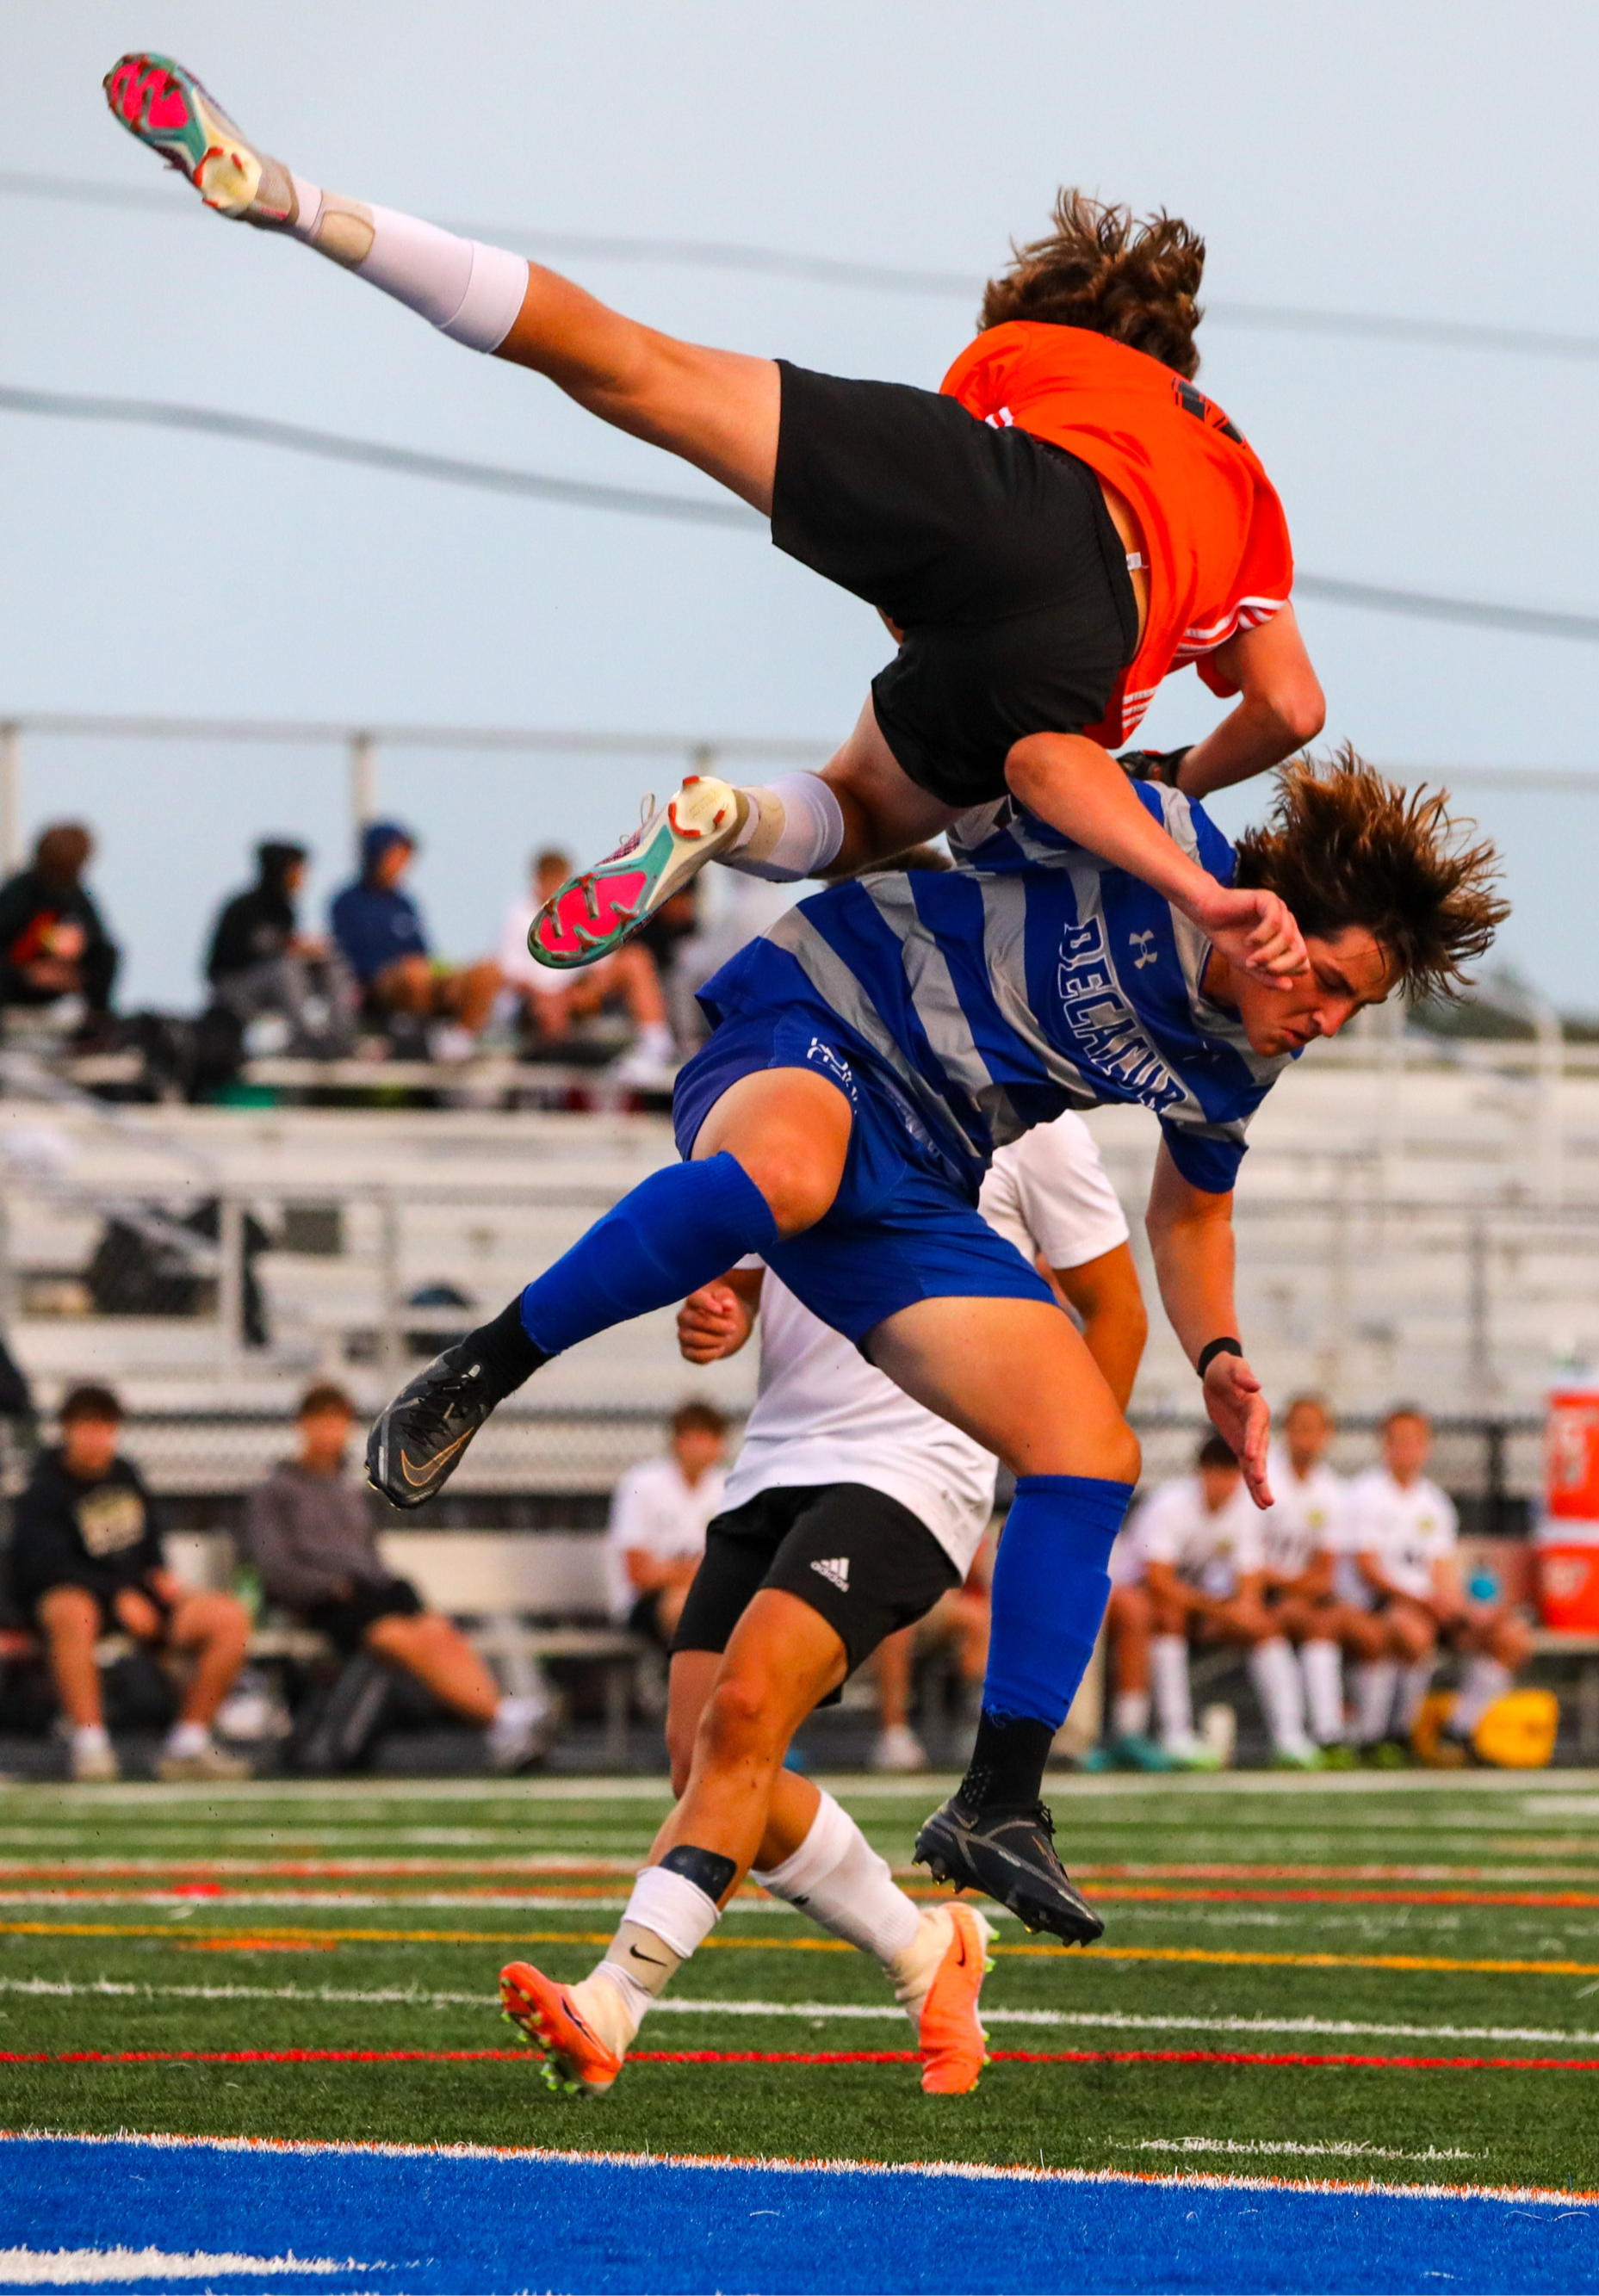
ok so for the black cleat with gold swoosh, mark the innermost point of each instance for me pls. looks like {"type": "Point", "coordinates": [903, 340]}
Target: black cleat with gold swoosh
{"type": "Point", "coordinates": [419, 1440]}
{"type": "Point", "coordinates": [1009, 1854]}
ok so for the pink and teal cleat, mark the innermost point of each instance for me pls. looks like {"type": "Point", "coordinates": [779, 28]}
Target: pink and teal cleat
{"type": "Point", "coordinates": [166, 107]}
{"type": "Point", "coordinates": [594, 911]}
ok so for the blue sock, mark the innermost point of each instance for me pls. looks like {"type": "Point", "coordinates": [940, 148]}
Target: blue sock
{"type": "Point", "coordinates": [1050, 1590]}
{"type": "Point", "coordinates": [676, 1230]}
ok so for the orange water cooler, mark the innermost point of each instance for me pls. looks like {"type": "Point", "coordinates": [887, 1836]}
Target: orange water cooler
{"type": "Point", "coordinates": [1567, 1541]}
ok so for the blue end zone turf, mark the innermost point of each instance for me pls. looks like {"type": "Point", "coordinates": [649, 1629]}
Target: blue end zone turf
{"type": "Point", "coordinates": [246, 2216]}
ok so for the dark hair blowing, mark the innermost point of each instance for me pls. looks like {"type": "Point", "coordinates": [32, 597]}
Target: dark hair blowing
{"type": "Point", "coordinates": [1099, 268]}
{"type": "Point", "coordinates": [1345, 847]}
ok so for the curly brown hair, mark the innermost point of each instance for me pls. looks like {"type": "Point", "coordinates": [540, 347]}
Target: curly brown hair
{"type": "Point", "coordinates": [1100, 269]}
{"type": "Point", "coordinates": [1345, 847]}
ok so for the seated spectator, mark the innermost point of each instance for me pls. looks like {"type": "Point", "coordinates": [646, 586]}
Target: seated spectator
{"type": "Point", "coordinates": [1129, 1623]}
{"type": "Point", "coordinates": [85, 1560]}
{"type": "Point", "coordinates": [658, 1512]}
{"type": "Point", "coordinates": [307, 1532]}
{"type": "Point", "coordinates": [378, 931]}
{"type": "Point", "coordinates": [260, 962]}
{"type": "Point", "coordinates": [958, 1623]}
{"type": "Point", "coordinates": [53, 942]}
{"type": "Point", "coordinates": [552, 1001]}
{"type": "Point", "coordinates": [1198, 1542]}
{"type": "Point", "coordinates": [1404, 1568]}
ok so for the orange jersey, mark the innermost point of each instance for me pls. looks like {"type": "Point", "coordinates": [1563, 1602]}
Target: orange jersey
{"type": "Point", "coordinates": [1214, 533]}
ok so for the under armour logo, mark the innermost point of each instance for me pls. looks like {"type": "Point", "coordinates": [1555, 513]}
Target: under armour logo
{"type": "Point", "coordinates": [1147, 952]}
{"type": "Point", "coordinates": [836, 1572]}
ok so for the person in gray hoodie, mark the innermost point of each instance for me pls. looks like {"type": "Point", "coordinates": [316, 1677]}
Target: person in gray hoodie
{"type": "Point", "coordinates": [307, 1532]}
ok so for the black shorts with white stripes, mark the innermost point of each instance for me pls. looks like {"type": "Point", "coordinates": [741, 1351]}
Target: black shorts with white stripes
{"type": "Point", "coordinates": [865, 1563]}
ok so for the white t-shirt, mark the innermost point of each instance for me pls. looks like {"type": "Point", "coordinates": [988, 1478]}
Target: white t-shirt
{"type": "Point", "coordinates": [652, 1507]}
{"type": "Point", "coordinates": [824, 1416]}
{"type": "Point", "coordinates": [1307, 1517]}
{"type": "Point", "coordinates": [1212, 1552]}
{"type": "Point", "coordinates": [1408, 1529]}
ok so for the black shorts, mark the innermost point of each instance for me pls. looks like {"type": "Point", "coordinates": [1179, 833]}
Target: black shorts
{"type": "Point", "coordinates": [993, 551]}
{"type": "Point", "coordinates": [344, 1620]}
{"type": "Point", "coordinates": [862, 1561]}
{"type": "Point", "coordinates": [644, 1619]}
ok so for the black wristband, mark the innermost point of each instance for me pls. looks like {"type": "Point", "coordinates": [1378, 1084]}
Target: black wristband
{"type": "Point", "coordinates": [1214, 1347]}
{"type": "Point", "coordinates": [1153, 765]}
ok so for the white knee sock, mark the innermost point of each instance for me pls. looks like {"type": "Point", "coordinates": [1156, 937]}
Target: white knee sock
{"type": "Point", "coordinates": [1415, 1683]}
{"type": "Point", "coordinates": [1129, 1714]}
{"type": "Point", "coordinates": [1482, 1680]}
{"type": "Point", "coordinates": [795, 828]}
{"type": "Point", "coordinates": [838, 1878]}
{"type": "Point", "coordinates": [1281, 1693]}
{"type": "Point", "coordinates": [1321, 1662]}
{"type": "Point", "coordinates": [1375, 1682]}
{"type": "Point", "coordinates": [468, 291]}
{"type": "Point", "coordinates": [1174, 1701]}
{"type": "Point", "coordinates": [668, 1917]}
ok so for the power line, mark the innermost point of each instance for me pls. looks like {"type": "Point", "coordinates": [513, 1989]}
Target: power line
{"type": "Point", "coordinates": [332, 445]}
{"type": "Point", "coordinates": [878, 278]}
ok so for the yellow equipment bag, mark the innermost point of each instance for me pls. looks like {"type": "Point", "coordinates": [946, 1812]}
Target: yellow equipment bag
{"type": "Point", "coordinates": [1517, 1733]}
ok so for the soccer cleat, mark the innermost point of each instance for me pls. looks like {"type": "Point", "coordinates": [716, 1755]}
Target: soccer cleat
{"type": "Point", "coordinates": [1297, 1757]}
{"type": "Point", "coordinates": [94, 1764]}
{"type": "Point", "coordinates": [955, 2047]}
{"type": "Point", "coordinates": [212, 1762]}
{"type": "Point", "coordinates": [419, 1440]}
{"type": "Point", "coordinates": [573, 2060]}
{"type": "Point", "coordinates": [1009, 1854]}
{"type": "Point", "coordinates": [1339, 1756]}
{"type": "Point", "coordinates": [1387, 1754]}
{"type": "Point", "coordinates": [166, 107]}
{"type": "Point", "coordinates": [898, 1751]}
{"type": "Point", "coordinates": [594, 911]}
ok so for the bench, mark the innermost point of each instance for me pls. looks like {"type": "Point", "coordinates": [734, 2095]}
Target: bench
{"type": "Point", "coordinates": [1555, 1643]}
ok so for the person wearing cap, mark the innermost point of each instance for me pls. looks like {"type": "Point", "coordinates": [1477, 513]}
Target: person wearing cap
{"type": "Point", "coordinates": [53, 939]}
{"type": "Point", "coordinates": [86, 1560]}
{"type": "Point", "coordinates": [379, 933]}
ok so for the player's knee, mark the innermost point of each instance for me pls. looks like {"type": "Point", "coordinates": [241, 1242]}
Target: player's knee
{"type": "Point", "coordinates": [740, 1718]}
{"type": "Point", "coordinates": [796, 1185]}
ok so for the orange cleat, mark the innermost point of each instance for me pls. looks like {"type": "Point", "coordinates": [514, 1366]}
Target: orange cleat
{"type": "Point", "coordinates": [954, 2044]}
{"type": "Point", "coordinates": [573, 2059]}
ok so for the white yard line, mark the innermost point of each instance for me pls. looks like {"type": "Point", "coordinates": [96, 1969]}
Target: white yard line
{"type": "Point", "coordinates": [1333, 2148]}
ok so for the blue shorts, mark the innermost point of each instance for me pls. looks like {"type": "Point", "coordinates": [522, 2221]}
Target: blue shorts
{"type": "Point", "coordinates": [902, 1226]}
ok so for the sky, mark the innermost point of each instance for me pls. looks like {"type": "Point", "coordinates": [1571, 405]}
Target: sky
{"type": "Point", "coordinates": [1412, 160]}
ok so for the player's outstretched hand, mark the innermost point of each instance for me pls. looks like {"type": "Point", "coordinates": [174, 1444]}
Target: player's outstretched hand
{"type": "Point", "coordinates": [1242, 1416]}
{"type": "Point", "coordinates": [712, 1323]}
{"type": "Point", "coordinates": [1253, 930]}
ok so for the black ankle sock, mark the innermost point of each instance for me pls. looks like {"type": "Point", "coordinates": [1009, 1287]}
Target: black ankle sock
{"type": "Point", "coordinates": [1007, 1761]}
{"type": "Point", "coordinates": [505, 1350]}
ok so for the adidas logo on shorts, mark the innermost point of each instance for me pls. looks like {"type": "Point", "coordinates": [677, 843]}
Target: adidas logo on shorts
{"type": "Point", "coordinates": [836, 1571]}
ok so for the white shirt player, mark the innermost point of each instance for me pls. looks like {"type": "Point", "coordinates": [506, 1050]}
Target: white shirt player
{"type": "Point", "coordinates": [1306, 1518]}
{"type": "Point", "coordinates": [1211, 1551]}
{"type": "Point", "coordinates": [1407, 1527]}
{"type": "Point", "coordinates": [654, 1507]}
{"type": "Point", "coordinates": [824, 1416]}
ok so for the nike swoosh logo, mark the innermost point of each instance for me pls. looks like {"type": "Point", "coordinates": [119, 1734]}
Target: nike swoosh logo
{"type": "Point", "coordinates": [432, 1465]}
{"type": "Point", "coordinates": [653, 1960]}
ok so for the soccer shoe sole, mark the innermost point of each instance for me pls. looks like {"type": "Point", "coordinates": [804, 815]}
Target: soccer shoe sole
{"type": "Point", "coordinates": [166, 107]}
{"type": "Point", "coordinates": [954, 2044]}
{"type": "Point", "coordinates": [572, 2061]}
{"type": "Point", "coordinates": [938, 1848]}
{"type": "Point", "coordinates": [594, 911]}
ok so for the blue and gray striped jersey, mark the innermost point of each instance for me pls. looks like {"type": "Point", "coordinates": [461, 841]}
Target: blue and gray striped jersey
{"type": "Point", "coordinates": [1031, 979]}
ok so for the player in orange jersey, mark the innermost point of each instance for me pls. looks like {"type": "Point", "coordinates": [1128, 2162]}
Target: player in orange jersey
{"type": "Point", "coordinates": [1065, 522]}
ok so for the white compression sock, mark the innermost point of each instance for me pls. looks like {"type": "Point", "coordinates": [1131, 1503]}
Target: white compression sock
{"type": "Point", "coordinates": [838, 1878]}
{"type": "Point", "coordinates": [1129, 1714]}
{"type": "Point", "coordinates": [1281, 1693]}
{"type": "Point", "coordinates": [1174, 1701]}
{"type": "Point", "coordinates": [1415, 1683]}
{"type": "Point", "coordinates": [470, 292]}
{"type": "Point", "coordinates": [795, 828]}
{"type": "Point", "coordinates": [1375, 1682]}
{"type": "Point", "coordinates": [668, 1917]}
{"type": "Point", "coordinates": [1482, 1680]}
{"type": "Point", "coordinates": [1321, 1662]}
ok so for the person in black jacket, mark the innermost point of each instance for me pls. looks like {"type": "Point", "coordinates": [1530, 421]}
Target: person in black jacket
{"type": "Point", "coordinates": [259, 961]}
{"type": "Point", "coordinates": [86, 1560]}
{"type": "Point", "coordinates": [52, 940]}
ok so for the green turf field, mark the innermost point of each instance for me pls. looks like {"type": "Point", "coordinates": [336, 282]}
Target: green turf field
{"type": "Point", "coordinates": [1386, 1919]}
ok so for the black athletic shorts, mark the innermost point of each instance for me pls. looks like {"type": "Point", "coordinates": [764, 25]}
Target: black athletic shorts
{"type": "Point", "coordinates": [344, 1620]}
{"type": "Point", "coordinates": [857, 1556]}
{"type": "Point", "coordinates": [993, 551]}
